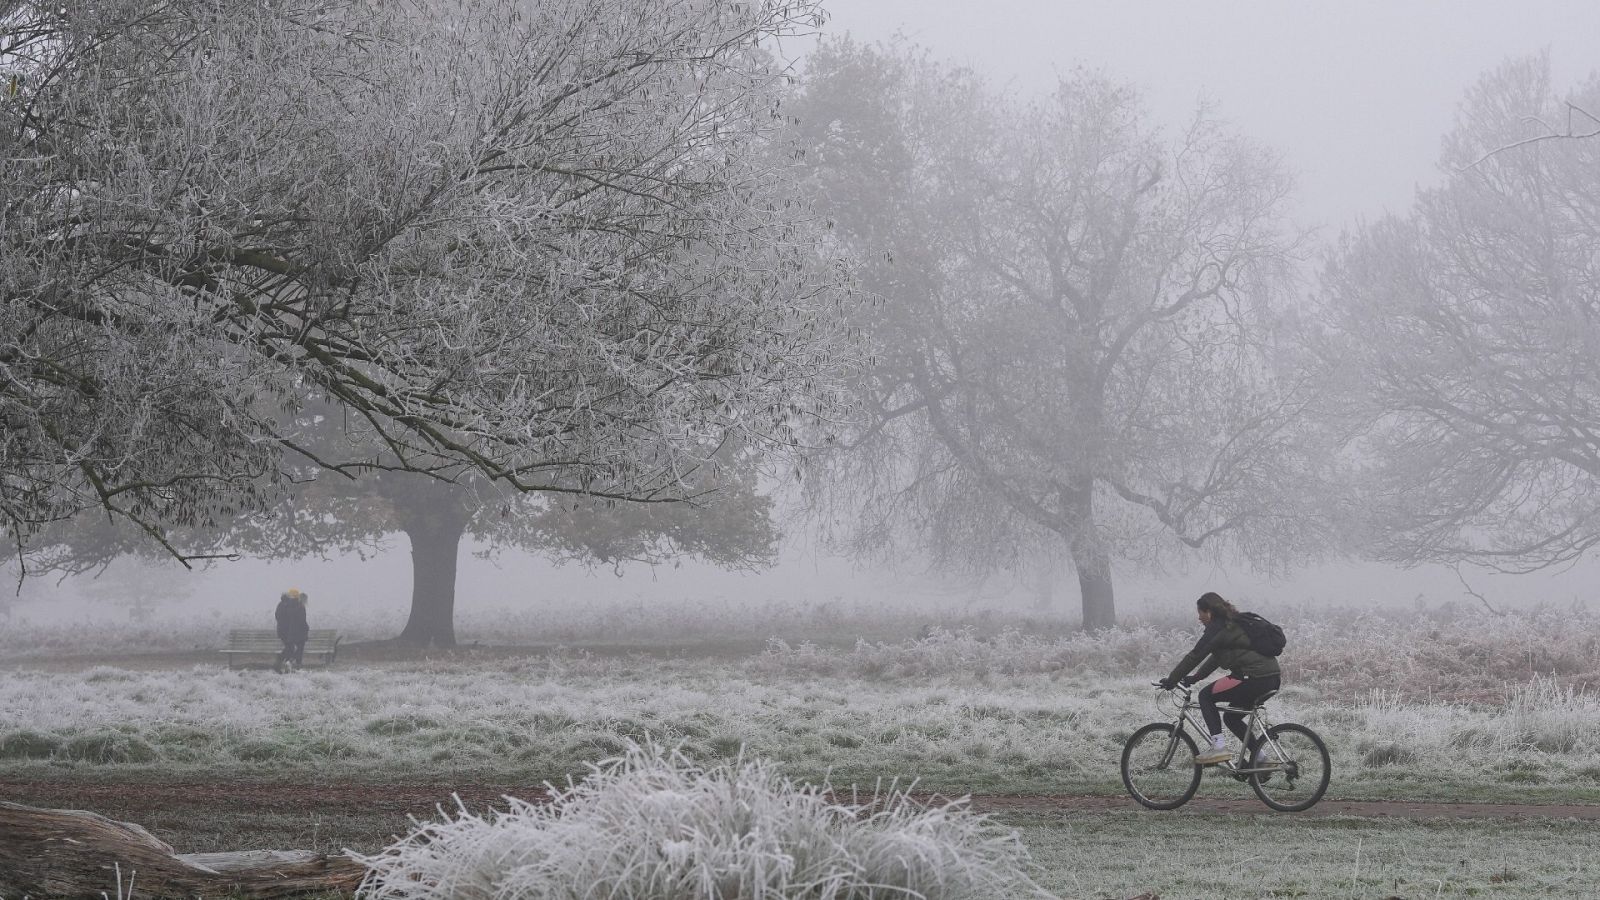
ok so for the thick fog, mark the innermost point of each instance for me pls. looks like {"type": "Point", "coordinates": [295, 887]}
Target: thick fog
{"type": "Point", "coordinates": [1354, 95]}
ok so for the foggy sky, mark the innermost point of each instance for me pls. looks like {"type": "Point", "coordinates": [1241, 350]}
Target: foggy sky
{"type": "Point", "coordinates": [1355, 94]}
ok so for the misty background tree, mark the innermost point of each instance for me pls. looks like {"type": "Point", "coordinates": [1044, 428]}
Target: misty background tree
{"type": "Point", "coordinates": [1076, 338]}
{"type": "Point", "coordinates": [543, 242]}
{"type": "Point", "coordinates": [1468, 337]}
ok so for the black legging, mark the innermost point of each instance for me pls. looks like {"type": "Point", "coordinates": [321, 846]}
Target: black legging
{"type": "Point", "coordinates": [1235, 692]}
{"type": "Point", "coordinates": [293, 651]}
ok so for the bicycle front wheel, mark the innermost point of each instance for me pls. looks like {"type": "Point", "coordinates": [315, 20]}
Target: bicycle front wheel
{"type": "Point", "coordinates": [1297, 767]}
{"type": "Point", "coordinates": [1158, 766]}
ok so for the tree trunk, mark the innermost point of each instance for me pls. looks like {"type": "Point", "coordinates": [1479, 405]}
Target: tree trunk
{"type": "Point", "coordinates": [1093, 565]}
{"type": "Point", "coordinates": [434, 519]}
{"type": "Point", "coordinates": [72, 853]}
{"type": "Point", "coordinates": [433, 586]}
{"type": "Point", "coordinates": [1094, 581]}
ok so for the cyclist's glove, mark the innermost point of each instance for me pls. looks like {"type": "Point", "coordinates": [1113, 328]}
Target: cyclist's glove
{"type": "Point", "coordinates": [1166, 684]}
{"type": "Point", "coordinates": [1188, 681]}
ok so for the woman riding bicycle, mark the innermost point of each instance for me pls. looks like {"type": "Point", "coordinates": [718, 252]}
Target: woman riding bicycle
{"type": "Point", "coordinates": [1251, 675]}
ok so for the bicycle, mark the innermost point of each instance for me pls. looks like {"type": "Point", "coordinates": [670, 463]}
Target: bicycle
{"type": "Point", "coordinates": [1159, 771]}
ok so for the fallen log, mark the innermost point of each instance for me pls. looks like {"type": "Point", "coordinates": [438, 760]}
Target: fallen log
{"type": "Point", "coordinates": [73, 853]}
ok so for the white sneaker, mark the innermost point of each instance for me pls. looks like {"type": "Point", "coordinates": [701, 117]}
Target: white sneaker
{"type": "Point", "coordinates": [1218, 753]}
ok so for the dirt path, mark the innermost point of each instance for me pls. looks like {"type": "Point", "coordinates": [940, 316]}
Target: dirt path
{"type": "Point", "coordinates": [128, 799]}
{"type": "Point", "coordinates": [1373, 809]}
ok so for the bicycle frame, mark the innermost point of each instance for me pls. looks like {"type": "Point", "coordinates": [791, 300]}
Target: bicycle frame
{"type": "Point", "coordinates": [1161, 767]}
{"type": "Point", "coordinates": [1257, 725]}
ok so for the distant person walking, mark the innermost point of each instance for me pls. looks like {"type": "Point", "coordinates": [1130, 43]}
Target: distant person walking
{"type": "Point", "coordinates": [292, 628]}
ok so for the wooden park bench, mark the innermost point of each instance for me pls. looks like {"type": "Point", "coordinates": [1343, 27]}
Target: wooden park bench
{"type": "Point", "coordinates": [322, 645]}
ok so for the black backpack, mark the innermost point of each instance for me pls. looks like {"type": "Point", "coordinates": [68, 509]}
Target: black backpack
{"type": "Point", "coordinates": [1265, 638]}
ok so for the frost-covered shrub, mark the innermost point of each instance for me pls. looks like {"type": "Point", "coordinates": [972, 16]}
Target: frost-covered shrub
{"type": "Point", "coordinates": [1444, 653]}
{"type": "Point", "coordinates": [27, 744]}
{"type": "Point", "coordinates": [406, 724]}
{"type": "Point", "coordinates": [106, 673]}
{"type": "Point", "coordinates": [1553, 719]}
{"type": "Point", "coordinates": [1434, 654]}
{"type": "Point", "coordinates": [652, 825]}
{"type": "Point", "coordinates": [1387, 754]}
{"type": "Point", "coordinates": [109, 747]}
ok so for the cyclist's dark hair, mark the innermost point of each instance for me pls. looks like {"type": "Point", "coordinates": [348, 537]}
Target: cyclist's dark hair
{"type": "Point", "coordinates": [1212, 602]}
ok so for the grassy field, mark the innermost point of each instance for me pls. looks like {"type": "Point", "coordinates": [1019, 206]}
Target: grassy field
{"type": "Point", "coordinates": [953, 720]}
{"type": "Point", "coordinates": [1421, 710]}
{"type": "Point", "coordinates": [1121, 855]}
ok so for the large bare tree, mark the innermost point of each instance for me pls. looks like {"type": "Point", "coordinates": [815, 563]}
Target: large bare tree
{"type": "Point", "coordinates": [1469, 335]}
{"type": "Point", "coordinates": [1075, 338]}
{"type": "Point", "coordinates": [541, 239]}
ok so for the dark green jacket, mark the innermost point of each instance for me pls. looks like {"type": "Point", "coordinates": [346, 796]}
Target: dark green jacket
{"type": "Point", "coordinates": [1224, 644]}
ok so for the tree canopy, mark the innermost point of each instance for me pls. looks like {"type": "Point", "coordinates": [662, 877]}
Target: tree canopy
{"type": "Point", "coordinates": [543, 241]}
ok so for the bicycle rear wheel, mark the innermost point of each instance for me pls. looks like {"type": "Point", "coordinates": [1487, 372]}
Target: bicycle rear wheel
{"type": "Point", "coordinates": [1158, 766]}
{"type": "Point", "coordinates": [1299, 769]}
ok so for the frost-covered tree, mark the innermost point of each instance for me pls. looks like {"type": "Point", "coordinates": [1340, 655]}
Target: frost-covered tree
{"type": "Point", "coordinates": [1074, 331]}
{"type": "Point", "coordinates": [1469, 333]}
{"type": "Point", "coordinates": [541, 240]}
